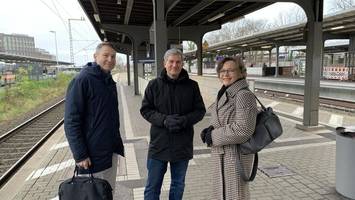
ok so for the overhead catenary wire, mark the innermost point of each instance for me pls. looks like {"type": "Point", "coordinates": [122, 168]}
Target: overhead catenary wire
{"type": "Point", "coordinates": [65, 25]}
{"type": "Point", "coordinates": [57, 13]}
{"type": "Point", "coordinates": [56, 10]}
{"type": "Point", "coordinates": [85, 48]}
{"type": "Point", "coordinates": [58, 2]}
{"type": "Point", "coordinates": [63, 14]}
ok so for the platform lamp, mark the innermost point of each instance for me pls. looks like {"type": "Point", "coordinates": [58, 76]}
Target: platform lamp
{"type": "Point", "coordinates": [56, 48]}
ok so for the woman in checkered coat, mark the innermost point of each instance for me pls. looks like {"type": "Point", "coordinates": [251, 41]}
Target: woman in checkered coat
{"type": "Point", "coordinates": [232, 122]}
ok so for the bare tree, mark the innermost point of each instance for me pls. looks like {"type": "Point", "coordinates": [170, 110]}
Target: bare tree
{"type": "Point", "coordinates": [337, 5]}
{"type": "Point", "coordinates": [343, 4]}
{"type": "Point", "coordinates": [189, 45]}
{"type": "Point", "coordinates": [294, 15]}
{"type": "Point", "coordinates": [121, 64]}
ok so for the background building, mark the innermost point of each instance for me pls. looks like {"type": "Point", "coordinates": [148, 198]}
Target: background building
{"type": "Point", "coordinates": [22, 45]}
{"type": "Point", "coordinates": [42, 53]}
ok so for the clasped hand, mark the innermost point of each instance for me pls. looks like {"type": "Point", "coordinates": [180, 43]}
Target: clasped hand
{"type": "Point", "coordinates": [174, 123]}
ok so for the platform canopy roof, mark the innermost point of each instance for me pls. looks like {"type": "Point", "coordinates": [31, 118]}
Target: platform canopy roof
{"type": "Point", "coordinates": [336, 26]}
{"type": "Point", "coordinates": [178, 13]}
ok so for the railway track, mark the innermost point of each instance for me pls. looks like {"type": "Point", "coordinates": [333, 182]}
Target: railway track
{"type": "Point", "coordinates": [324, 102]}
{"type": "Point", "coordinates": [18, 144]}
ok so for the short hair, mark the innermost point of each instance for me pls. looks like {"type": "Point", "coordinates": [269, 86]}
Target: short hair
{"type": "Point", "coordinates": [237, 60]}
{"type": "Point", "coordinates": [102, 44]}
{"type": "Point", "coordinates": [171, 52]}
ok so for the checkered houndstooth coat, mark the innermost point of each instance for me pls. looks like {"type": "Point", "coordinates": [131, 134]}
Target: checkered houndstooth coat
{"type": "Point", "coordinates": [234, 118]}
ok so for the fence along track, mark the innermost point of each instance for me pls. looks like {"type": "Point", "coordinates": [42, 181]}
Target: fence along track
{"type": "Point", "coordinates": [18, 144]}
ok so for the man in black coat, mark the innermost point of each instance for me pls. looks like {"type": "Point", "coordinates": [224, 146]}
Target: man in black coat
{"type": "Point", "coordinates": [91, 120]}
{"type": "Point", "coordinates": [172, 104]}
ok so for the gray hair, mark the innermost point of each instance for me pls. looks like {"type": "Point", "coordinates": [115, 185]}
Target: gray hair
{"type": "Point", "coordinates": [171, 52]}
{"type": "Point", "coordinates": [99, 46]}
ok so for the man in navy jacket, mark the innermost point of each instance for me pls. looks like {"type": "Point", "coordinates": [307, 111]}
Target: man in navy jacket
{"type": "Point", "coordinates": [91, 119]}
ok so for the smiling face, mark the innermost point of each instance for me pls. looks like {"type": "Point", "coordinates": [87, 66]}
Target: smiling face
{"type": "Point", "coordinates": [173, 65]}
{"type": "Point", "coordinates": [106, 58]}
{"type": "Point", "coordinates": [229, 73]}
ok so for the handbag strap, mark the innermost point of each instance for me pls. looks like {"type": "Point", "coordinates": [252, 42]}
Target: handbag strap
{"type": "Point", "coordinates": [256, 159]}
{"type": "Point", "coordinates": [241, 168]}
{"type": "Point", "coordinates": [262, 105]}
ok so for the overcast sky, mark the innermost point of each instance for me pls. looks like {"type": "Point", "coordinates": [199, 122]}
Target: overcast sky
{"type": "Point", "coordinates": [37, 17]}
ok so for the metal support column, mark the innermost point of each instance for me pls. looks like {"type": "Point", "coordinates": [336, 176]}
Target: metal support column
{"type": "Point", "coordinates": [199, 56]}
{"type": "Point", "coordinates": [135, 67]}
{"type": "Point", "coordinates": [346, 59]}
{"type": "Point", "coordinates": [128, 70]}
{"type": "Point", "coordinates": [70, 43]}
{"type": "Point", "coordinates": [351, 57]}
{"type": "Point", "coordinates": [331, 59]}
{"type": "Point", "coordinates": [251, 57]}
{"type": "Point", "coordinates": [160, 34]}
{"type": "Point", "coordinates": [270, 61]}
{"type": "Point", "coordinates": [141, 56]}
{"type": "Point", "coordinates": [277, 60]}
{"type": "Point", "coordinates": [71, 39]}
{"type": "Point", "coordinates": [352, 43]}
{"type": "Point", "coordinates": [314, 54]}
{"type": "Point", "coordinates": [322, 63]}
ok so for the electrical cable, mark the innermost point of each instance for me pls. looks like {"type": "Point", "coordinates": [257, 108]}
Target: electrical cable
{"type": "Point", "coordinates": [65, 25]}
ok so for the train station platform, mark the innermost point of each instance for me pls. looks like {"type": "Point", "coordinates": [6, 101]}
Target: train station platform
{"type": "Point", "coordinates": [298, 165]}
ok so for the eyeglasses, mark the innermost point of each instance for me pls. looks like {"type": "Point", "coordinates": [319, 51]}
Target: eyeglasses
{"type": "Point", "coordinates": [227, 71]}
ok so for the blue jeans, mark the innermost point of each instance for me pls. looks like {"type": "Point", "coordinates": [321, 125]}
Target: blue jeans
{"type": "Point", "coordinates": [156, 172]}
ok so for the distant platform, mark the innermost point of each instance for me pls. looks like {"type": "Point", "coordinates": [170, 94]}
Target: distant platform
{"type": "Point", "coordinates": [339, 90]}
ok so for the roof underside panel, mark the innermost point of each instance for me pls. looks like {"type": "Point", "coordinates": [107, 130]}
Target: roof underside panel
{"type": "Point", "coordinates": [194, 20]}
{"type": "Point", "coordinates": [230, 10]}
{"type": "Point", "coordinates": [109, 10]}
{"type": "Point", "coordinates": [140, 12]}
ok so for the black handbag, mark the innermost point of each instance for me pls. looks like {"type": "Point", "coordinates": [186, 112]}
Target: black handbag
{"type": "Point", "coordinates": [85, 187]}
{"type": "Point", "coordinates": [268, 128]}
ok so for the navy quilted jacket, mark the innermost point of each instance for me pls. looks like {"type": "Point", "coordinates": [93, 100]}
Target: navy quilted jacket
{"type": "Point", "coordinates": [91, 119]}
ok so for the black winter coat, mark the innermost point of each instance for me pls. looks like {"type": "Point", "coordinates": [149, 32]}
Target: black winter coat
{"type": "Point", "coordinates": [164, 96]}
{"type": "Point", "coordinates": [91, 120]}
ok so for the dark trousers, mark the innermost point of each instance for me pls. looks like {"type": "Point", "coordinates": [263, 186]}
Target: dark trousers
{"type": "Point", "coordinates": [156, 172]}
